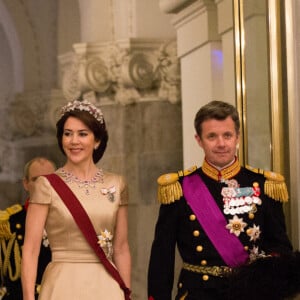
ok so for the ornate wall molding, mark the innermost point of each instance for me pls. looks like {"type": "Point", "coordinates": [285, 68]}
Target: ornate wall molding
{"type": "Point", "coordinates": [116, 73]}
{"type": "Point", "coordinates": [32, 114]}
{"type": "Point", "coordinates": [173, 6]}
{"type": "Point", "coordinates": [125, 71]}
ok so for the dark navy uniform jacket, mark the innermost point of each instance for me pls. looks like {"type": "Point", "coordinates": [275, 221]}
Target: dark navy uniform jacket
{"type": "Point", "coordinates": [177, 225]}
{"type": "Point", "coordinates": [14, 288]}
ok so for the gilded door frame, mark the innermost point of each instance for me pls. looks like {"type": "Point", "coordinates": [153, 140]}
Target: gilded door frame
{"type": "Point", "coordinates": [277, 150]}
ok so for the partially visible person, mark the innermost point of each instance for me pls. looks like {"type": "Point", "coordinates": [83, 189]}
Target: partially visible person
{"type": "Point", "coordinates": [79, 187]}
{"type": "Point", "coordinates": [13, 235]}
{"type": "Point", "coordinates": [266, 278]}
{"type": "Point", "coordinates": [220, 216]}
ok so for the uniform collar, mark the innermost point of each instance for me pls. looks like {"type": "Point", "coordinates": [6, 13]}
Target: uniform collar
{"type": "Point", "coordinates": [223, 174]}
{"type": "Point", "coordinates": [26, 203]}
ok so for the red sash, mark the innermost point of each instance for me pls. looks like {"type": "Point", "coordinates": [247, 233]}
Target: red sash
{"type": "Point", "coordinates": [213, 221]}
{"type": "Point", "coordinates": [84, 223]}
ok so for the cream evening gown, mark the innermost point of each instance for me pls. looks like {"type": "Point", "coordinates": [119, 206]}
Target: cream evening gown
{"type": "Point", "coordinates": [75, 272]}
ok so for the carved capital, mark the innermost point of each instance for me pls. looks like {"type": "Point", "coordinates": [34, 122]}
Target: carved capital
{"type": "Point", "coordinates": [124, 71]}
{"type": "Point", "coordinates": [69, 67]}
{"type": "Point", "coordinates": [33, 114]}
{"type": "Point", "coordinates": [93, 68]}
{"type": "Point", "coordinates": [27, 114]}
{"type": "Point", "coordinates": [168, 69]}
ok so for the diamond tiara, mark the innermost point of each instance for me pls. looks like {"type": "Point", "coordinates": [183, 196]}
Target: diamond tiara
{"type": "Point", "coordinates": [84, 106]}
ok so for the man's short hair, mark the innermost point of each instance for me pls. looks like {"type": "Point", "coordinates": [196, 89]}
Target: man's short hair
{"type": "Point", "coordinates": [217, 110]}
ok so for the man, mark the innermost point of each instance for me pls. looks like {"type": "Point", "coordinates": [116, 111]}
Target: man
{"type": "Point", "coordinates": [13, 235]}
{"type": "Point", "coordinates": [221, 216]}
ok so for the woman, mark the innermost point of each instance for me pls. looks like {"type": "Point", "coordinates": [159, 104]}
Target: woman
{"type": "Point", "coordinates": [75, 271]}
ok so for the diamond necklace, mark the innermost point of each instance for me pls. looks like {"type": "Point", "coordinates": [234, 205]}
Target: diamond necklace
{"type": "Point", "coordinates": [85, 184]}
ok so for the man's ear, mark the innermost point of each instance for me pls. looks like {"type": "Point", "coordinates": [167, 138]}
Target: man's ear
{"type": "Point", "coordinates": [198, 139]}
{"type": "Point", "coordinates": [25, 184]}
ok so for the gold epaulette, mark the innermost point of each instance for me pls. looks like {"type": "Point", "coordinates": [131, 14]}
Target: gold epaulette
{"type": "Point", "coordinates": [14, 209]}
{"type": "Point", "coordinates": [9, 246]}
{"type": "Point", "coordinates": [169, 187]}
{"type": "Point", "coordinates": [275, 186]}
{"type": "Point", "coordinates": [4, 220]}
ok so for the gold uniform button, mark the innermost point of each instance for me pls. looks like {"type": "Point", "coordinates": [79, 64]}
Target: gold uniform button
{"type": "Point", "coordinates": [199, 248]}
{"type": "Point", "coordinates": [180, 285]}
{"type": "Point", "coordinates": [246, 248]}
{"type": "Point", "coordinates": [196, 233]}
{"type": "Point", "coordinates": [249, 231]}
{"type": "Point", "coordinates": [205, 277]}
{"type": "Point", "coordinates": [18, 226]}
{"type": "Point", "coordinates": [20, 237]}
{"type": "Point", "coordinates": [38, 288]}
{"type": "Point", "coordinates": [192, 217]}
{"type": "Point", "coordinates": [203, 263]}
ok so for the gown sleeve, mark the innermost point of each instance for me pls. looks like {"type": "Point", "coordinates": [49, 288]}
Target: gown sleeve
{"type": "Point", "coordinates": [42, 191]}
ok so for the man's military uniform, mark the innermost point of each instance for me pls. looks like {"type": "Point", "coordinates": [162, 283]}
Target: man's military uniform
{"type": "Point", "coordinates": [249, 202]}
{"type": "Point", "coordinates": [12, 230]}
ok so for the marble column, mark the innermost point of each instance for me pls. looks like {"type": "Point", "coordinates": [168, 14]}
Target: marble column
{"type": "Point", "coordinates": [202, 49]}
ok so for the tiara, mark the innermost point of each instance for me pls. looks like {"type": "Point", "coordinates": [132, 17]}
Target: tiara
{"type": "Point", "coordinates": [83, 106]}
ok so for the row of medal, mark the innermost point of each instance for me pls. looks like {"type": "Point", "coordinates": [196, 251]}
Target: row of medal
{"type": "Point", "coordinates": [240, 205]}
{"type": "Point", "coordinates": [240, 200]}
